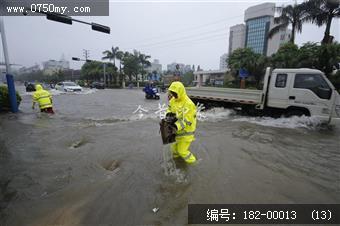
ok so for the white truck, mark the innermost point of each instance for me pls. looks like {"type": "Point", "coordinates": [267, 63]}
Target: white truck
{"type": "Point", "coordinates": [285, 92]}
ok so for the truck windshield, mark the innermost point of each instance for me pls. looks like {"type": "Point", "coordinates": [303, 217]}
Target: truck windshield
{"type": "Point", "coordinates": [313, 82]}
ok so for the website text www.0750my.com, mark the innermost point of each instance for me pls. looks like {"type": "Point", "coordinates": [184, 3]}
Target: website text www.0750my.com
{"type": "Point", "coordinates": [48, 8]}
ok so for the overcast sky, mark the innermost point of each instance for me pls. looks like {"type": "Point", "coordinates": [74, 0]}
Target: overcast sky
{"type": "Point", "coordinates": [190, 32]}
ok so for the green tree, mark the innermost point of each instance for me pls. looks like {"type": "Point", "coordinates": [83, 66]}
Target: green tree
{"type": "Point", "coordinates": [188, 78]}
{"type": "Point", "coordinates": [92, 71]}
{"type": "Point", "coordinates": [111, 72]}
{"type": "Point", "coordinates": [111, 55]}
{"type": "Point", "coordinates": [295, 15]}
{"type": "Point", "coordinates": [308, 56]}
{"type": "Point", "coordinates": [119, 56]}
{"type": "Point", "coordinates": [286, 56]}
{"type": "Point", "coordinates": [329, 55]}
{"type": "Point", "coordinates": [143, 60]}
{"type": "Point", "coordinates": [245, 58]}
{"type": "Point", "coordinates": [59, 74]}
{"type": "Point", "coordinates": [322, 12]}
{"type": "Point", "coordinates": [131, 65]}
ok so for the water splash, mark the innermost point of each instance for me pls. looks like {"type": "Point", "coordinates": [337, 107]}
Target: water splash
{"type": "Point", "coordinates": [217, 114]}
{"type": "Point", "coordinates": [84, 92]}
{"type": "Point", "coordinates": [98, 122]}
{"type": "Point", "coordinates": [55, 92]}
{"type": "Point", "coordinates": [169, 167]}
{"type": "Point", "coordinates": [291, 123]}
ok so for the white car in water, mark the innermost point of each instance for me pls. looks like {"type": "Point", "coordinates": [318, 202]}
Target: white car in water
{"type": "Point", "coordinates": [68, 87]}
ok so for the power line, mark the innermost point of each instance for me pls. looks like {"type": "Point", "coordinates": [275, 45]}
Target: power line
{"type": "Point", "coordinates": [221, 36]}
{"type": "Point", "coordinates": [175, 33]}
{"type": "Point", "coordinates": [180, 40]}
{"type": "Point", "coordinates": [183, 39]}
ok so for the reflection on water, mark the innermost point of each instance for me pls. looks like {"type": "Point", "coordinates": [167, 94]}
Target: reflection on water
{"type": "Point", "coordinates": [96, 162]}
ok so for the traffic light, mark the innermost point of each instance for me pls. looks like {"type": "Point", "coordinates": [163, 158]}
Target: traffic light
{"type": "Point", "coordinates": [88, 61]}
{"type": "Point", "coordinates": [101, 28]}
{"type": "Point", "coordinates": [76, 58]}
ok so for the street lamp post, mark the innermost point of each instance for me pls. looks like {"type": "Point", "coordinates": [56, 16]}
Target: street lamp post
{"type": "Point", "coordinates": [68, 20]}
{"type": "Point", "coordinates": [9, 77]}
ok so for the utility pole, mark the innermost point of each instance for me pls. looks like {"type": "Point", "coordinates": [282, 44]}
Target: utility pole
{"type": "Point", "coordinates": [86, 54]}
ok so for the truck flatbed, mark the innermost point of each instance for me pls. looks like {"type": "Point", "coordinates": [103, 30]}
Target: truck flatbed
{"type": "Point", "coordinates": [243, 96]}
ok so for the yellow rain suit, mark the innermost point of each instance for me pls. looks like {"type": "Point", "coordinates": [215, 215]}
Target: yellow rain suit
{"type": "Point", "coordinates": [42, 97]}
{"type": "Point", "coordinates": [185, 111]}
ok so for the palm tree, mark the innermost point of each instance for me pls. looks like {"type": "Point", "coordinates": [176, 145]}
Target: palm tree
{"type": "Point", "coordinates": [119, 56]}
{"type": "Point", "coordinates": [295, 15]}
{"type": "Point", "coordinates": [111, 55]}
{"type": "Point", "coordinates": [322, 12]}
{"type": "Point", "coordinates": [143, 59]}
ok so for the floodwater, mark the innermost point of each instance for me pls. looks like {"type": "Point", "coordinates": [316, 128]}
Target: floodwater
{"type": "Point", "coordinates": [100, 161]}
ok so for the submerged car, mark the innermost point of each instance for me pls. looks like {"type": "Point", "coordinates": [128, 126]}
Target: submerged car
{"type": "Point", "coordinates": [97, 85]}
{"type": "Point", "coordinates": [68, 87]}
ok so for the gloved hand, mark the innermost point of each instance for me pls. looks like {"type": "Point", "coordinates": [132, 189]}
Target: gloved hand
{"type": "Point", "coordinates": [172, 128]}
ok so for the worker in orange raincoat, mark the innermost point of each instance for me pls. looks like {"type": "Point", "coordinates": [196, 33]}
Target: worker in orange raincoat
{"type": "Point", "coordinates": [43, 98]}
{"type": "Point", "coordinates": [184, 110]}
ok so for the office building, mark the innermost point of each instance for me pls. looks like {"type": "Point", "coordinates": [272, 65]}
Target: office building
{"type": "Point", "coordinates": [259, 20]}
{"type": "Point", "coordinates": [237, 35]}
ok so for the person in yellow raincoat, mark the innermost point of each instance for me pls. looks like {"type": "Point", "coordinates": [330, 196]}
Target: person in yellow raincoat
{"type": "Point", "coordinates": [181, 106]}
{"type": "Point", "coordinates": [43, 98]}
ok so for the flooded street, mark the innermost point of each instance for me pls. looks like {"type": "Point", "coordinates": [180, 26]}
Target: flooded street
{"type": "Point", "coordinates": [96, 162]}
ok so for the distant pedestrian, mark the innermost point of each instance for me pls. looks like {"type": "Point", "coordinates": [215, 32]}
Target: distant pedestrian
{"type": "Point", "coordinates": [43, 98]}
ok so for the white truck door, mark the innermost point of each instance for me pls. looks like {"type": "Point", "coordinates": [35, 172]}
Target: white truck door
{"type": "Point", "coordinates": [311, 91]}
{"type": "Point", "coordinates": [279, 90]}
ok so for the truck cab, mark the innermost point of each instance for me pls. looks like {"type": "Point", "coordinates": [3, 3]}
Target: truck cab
{"type": "Point", "coordinates": [286, 92]}
{"type": "Point", "coordinates": [303, 92]}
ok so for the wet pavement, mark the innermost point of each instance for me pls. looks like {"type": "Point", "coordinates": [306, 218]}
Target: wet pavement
{"type": "Point", "coordinates": [100, 161]}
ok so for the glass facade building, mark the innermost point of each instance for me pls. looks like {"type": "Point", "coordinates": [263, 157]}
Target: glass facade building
{"type": "Point", "coordinates": [256, 33]}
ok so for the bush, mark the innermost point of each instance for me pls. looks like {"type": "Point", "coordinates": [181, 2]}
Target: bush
{"type": "Point", "coordinates": [81, 83]}
{"type": "Point", "coordinates": [4, 99]}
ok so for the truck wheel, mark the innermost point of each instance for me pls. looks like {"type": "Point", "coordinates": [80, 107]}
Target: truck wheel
{"type": "Point", "coordinates": [294, 112]}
